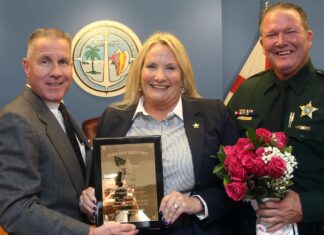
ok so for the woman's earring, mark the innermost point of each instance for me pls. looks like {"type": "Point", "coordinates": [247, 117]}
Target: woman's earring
{"type": "Point", "coordinates": [182, 90]}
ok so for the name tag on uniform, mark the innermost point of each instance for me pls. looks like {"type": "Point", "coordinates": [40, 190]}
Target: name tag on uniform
{"type": "Point", "coordinates": [244, 118]}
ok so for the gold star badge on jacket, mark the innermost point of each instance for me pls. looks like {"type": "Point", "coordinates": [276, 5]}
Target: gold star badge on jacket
{"type": "Point", "coordinates": [307, 110]}
{"type": "Point", "coordinates": [196, 125]}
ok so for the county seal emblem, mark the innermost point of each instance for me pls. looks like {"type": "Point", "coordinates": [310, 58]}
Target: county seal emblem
{"type": "Point", "coordinates": [103, 53]}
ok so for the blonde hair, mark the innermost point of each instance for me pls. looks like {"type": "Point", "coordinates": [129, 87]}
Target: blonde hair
{"type": "Point", "coordinates": [133, 87]}
{"type": "Point", "coordinates": [46, 32]}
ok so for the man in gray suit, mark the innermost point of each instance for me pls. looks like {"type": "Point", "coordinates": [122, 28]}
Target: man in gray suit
{"type": "Point", "coordinates": [41, 177]}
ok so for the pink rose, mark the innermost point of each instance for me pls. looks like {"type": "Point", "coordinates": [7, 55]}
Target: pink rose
{"type": "Point", "coordinates": [247, 160]}
{"type": "Point", "coordinates": [264, 134]}
{"type": "Point", "coordinates": [281, 139]}
{"type": "Point", "coordinates": [259, 167]}
{"type": "Point", "coordinates": [230, 150]}
{"type": "Point", "coordinates": [247, 153]}
{"type": "Point", "coordinates": [236, 171]}
{"type": "Point", "coordinates": [259, 152]}
{"type": "Point", "coordinates": [249, 146]}
{"type": "Point", "coordinates": [243, 143]}
{"type": "Point", "coordinates": [276, 167]}
{"type": "Point", "coordinates": [229, 161]}
{"type": "Point", "coordinates": [236, 190]}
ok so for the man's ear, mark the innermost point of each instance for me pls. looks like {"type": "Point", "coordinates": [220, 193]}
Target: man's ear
{"type": "Point", "coordinates": [310, 38]}
{"type": "Point", "coordinates": [25, 63]}
{"type": "Point", "coordinates": [260, 40]}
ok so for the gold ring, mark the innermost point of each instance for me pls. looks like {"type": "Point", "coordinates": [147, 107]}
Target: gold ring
{"type": "Point", "coordinates": [175, 206]}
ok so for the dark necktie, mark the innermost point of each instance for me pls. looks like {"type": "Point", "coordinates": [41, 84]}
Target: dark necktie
{"type": "Point", "coordinates": [274, 119]}
{"type": "Point", "coordinates": [71, 134]}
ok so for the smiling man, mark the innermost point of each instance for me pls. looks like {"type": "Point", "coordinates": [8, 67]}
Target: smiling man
{"type": "Point", "coordinates": [42, 171]}
{"type": "Point", "coordinates": [290, 98]}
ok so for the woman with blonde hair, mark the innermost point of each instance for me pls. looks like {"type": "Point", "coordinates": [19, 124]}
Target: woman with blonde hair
{"type": "Point", "coordinates": [131, 97]}
{"type": "Point", "coordinates": [161, 99]}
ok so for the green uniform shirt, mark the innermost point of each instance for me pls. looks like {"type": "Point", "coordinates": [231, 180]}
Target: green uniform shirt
{"type": "Point", "coordinates": [305, 133]}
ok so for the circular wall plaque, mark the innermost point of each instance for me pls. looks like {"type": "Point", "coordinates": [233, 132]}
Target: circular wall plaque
{"type": "Point", "coordinates": [103, 53]}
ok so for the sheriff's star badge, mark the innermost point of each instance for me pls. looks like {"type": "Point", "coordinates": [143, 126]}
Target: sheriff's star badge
{"type": "Point", "coordinates": [307, 110]}
{"type": "Point", "coordinates": [196, 125]}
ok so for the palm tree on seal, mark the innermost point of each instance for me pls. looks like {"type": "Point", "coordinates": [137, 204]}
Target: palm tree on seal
{"type": "Point", "coordinates": [92, 53]}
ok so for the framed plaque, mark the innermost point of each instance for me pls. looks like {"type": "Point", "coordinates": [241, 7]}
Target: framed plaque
{"type": "Point", "coordinates": [129, 180]}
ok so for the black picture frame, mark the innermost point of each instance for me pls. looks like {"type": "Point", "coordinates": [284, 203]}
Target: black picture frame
{"type": "Point", "coordinates": [129, 180]}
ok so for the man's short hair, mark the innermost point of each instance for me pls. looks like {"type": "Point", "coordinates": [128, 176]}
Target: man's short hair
{"type": "Point", "coordinates": [47, 32]}
{"type": "Point", "coordinates": [285, 6]}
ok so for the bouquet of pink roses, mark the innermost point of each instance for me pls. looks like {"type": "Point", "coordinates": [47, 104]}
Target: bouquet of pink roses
{"type": "Point", "coordinates": [257, 167]}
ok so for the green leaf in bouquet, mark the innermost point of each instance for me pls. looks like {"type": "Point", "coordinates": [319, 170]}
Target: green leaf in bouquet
{"type": "Point", "coordinates": [273, 143]}
{"type": "Point", "coordinates": [227, 180]}
{"type": "Point", "coordinates": [213, 156]}
{"type": "Point", "coordinates": [250, 133]}
{"type": "Point", "coordinates": [287, 149]}
{"type": "Point", "coordinates": [249, 196]}
{"type": "Point", "coordinates": [259, 192]}
{"type": "Point", "coordinates": [290, 183]}
{"type": "Point", "coordinates": [221, 157]}
{"type": "Point", "coordinates": [221, 154]}
{"type": "Point", "coordinates": [220, 171]}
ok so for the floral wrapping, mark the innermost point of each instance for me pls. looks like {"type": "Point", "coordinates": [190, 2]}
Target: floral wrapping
{"type": "Point", "coordinates": [289, 229]}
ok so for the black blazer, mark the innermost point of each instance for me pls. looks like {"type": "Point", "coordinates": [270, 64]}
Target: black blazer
{"type": "Point", "coordinates": [215, 128]}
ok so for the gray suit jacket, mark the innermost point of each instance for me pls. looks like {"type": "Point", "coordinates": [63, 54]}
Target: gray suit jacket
{"type": "Point", "coordinates": [40, 177]}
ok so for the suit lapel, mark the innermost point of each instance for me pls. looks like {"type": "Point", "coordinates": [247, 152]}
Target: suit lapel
{"type": "Point", "coordinates": [121, 123]}
{"type": "Point", "coordinates": [58, 139]}
{"type": "Point", "coordinates": [194, 126]}
{"type": "Point", "coordinates": [65, 151]}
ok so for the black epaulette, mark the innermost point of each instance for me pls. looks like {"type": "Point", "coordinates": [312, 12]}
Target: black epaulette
{"type": "Point", "coordinates": [259, 74]}
{"type": "Point", "coordinates": [320, 71]}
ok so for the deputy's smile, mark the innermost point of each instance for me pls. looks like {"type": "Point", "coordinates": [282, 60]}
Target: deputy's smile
{"type": "Point", "coordinates": [283, 53]}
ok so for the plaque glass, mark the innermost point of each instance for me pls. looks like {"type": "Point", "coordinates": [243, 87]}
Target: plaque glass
{"type": "Point", "coordinates": [128, 180]}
